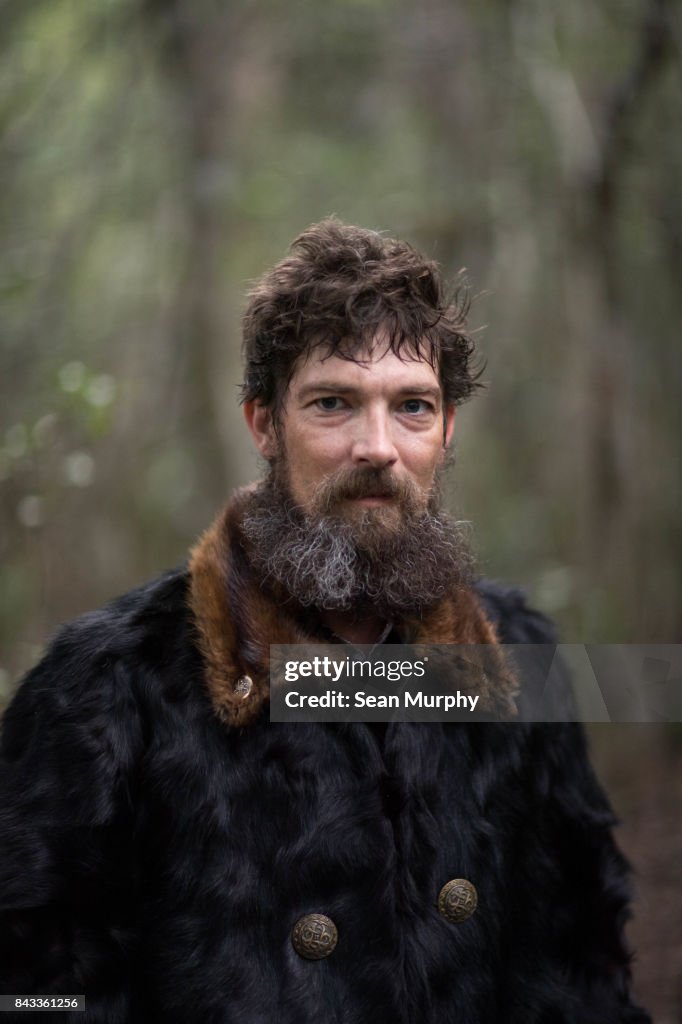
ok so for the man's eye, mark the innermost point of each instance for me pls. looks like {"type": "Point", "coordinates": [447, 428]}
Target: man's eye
{"type": "Point", "coordinates": [417, 405]}
{"type": "Point", "coordinates": [329, 403]}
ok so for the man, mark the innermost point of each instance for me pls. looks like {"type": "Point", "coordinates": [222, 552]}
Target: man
{"type": "Point", "coordinates": [175, 856]}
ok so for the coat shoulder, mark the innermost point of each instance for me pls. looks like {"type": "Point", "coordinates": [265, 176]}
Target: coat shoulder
{"type": "Point", "coordinates": [516, 621]}
{"type": "Point", "coordinates": [155, 606]}
{"type": "Point", "coordinates": [89, 667]}
{"type": "Point", "coordinates": [546, 691]}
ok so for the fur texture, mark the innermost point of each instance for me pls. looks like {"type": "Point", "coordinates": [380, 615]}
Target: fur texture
{"type": "Point", "coordinates": [155, 854]}
{"type": "Point", "coordinates": [237, 621]}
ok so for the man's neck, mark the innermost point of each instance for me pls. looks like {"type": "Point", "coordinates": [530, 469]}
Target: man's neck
{"type": "Point", "coordinates": [354, 627]}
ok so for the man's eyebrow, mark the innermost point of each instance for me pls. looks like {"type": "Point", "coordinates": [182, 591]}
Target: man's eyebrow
{"type": "Point", "coordinates": [335, 387]}
{"type": "Point", "coordinates": [326, 385]}
{"type": "Point", "coordinates": [425, 389]}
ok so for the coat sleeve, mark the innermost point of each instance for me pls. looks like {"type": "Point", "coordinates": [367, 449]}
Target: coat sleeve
{"type": "Point", "coordinates": [568, 889]}
{"type": "Point", "coordinates": [568, 892]}
{"type": "Point", "coordinates": [67, 882]}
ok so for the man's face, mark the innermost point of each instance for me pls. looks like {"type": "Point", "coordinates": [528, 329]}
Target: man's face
{"type": "Point", "coordinates": [359, 440]}
{"type": "Point", "coordinates": [348, 518]}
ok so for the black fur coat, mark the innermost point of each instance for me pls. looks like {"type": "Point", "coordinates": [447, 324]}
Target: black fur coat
{"type": "Point", "coordinates": [160, 838]}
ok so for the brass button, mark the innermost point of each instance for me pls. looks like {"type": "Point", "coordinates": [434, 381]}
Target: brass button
{"type": "Point", "coordinates": [457, 900]}
{"type": "Point", "coordinates": [314, 936]}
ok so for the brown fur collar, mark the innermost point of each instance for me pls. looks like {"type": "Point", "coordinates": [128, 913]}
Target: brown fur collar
{"type": "Point", "coordinates": [237, 621]}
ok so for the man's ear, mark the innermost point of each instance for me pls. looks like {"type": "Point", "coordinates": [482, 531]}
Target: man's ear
{"type": "Point", "coordinates": [259, 421]}
{"type": "Point", "coordinates": [448, 425]}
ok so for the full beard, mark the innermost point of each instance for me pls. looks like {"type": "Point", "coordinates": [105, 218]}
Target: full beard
{"type": "Point", "coordinates": [397, 558]}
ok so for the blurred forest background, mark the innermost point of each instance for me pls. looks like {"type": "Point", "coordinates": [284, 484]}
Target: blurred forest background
{"type": "Point", "coordinates": [158, 154]}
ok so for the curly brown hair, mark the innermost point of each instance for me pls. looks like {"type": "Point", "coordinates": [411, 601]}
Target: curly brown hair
{"type": "Point", "coordinates": [338, 287]}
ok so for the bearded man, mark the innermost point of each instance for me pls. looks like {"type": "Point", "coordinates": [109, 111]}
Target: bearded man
{"type": "Point", "coordinates": [173, 855]}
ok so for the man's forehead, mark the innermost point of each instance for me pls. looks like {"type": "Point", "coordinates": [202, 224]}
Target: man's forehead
{"type": "Point", "coordinates": [406, 368]}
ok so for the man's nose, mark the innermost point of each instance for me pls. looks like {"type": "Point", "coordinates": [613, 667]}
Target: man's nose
{"type": "Point", "coordinates": [374, 445]}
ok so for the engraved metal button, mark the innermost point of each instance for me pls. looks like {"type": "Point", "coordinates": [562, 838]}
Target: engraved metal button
{"type": "Point", "coordinates": [243, 686]}
{"type": "Point", "coordinates": [457, 900]}
{"type": "Point", "coordinates": [314, 936]}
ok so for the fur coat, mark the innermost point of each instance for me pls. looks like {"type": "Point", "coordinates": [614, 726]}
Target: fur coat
{"type": "Point", "coordinates": [160, 838]}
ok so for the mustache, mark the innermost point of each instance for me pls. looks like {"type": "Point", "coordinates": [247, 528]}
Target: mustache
{"type": "Point", "coordinates": [350, 484]}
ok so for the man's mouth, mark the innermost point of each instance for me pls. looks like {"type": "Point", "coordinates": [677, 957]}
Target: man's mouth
{"type": "Point", "coordinates": [373, 500]}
